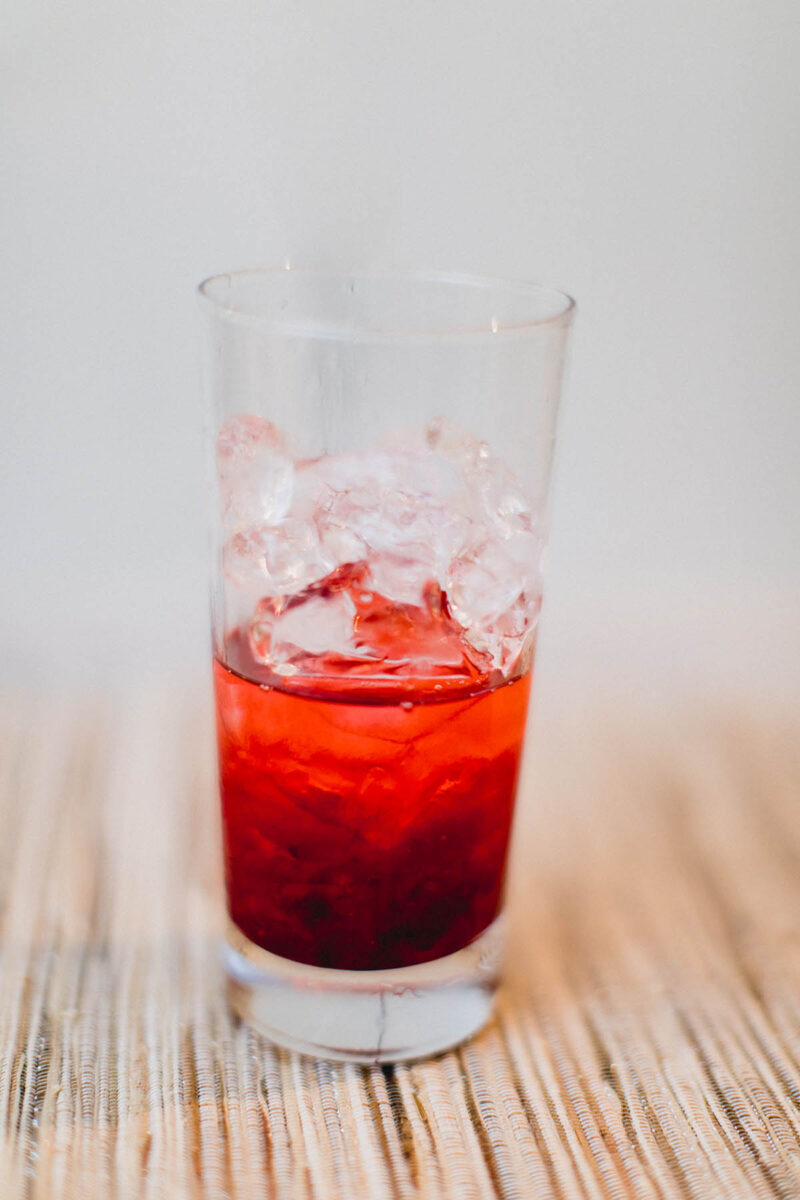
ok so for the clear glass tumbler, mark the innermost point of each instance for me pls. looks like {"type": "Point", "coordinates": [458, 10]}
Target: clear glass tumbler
{"type": "Point", "coordinates": [382, 450]}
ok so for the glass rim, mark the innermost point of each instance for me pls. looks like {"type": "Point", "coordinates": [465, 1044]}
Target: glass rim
{"type": "Point", "coordinates": [562, 305]}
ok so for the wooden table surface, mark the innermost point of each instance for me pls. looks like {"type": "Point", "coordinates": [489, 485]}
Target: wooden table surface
{"type": "Point", "coordinates": [647, 1043]}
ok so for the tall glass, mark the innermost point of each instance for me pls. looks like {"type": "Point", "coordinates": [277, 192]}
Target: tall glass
{"type": "Point", "coordinates": [382, 451]}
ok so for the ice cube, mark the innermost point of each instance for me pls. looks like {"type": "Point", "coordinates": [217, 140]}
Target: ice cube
{"type": "Point", "coordinates": [244, 557]}
{"type": "Point", "coordinates": [484, 582]}
{"type": "Point", "coordinates": [315, 631]}
{"type": "Point", "coordinates": [255, 473]}
{"type": "Point", "coordinates": [282, 559]}
{"type": "Point", "coordinates": [494, 580]}
{"type": "Point", "coordinates": [297, 638]}
{"type": "Point", "coordinates": [511, 639]}
{"type": "Point", "coordinates": [404, 579]}
{"type": "Point", "coordinates": [500, 501]}
{"type": "Point", "coordinates": [486, 491]}
{"type": "Point", "coordinates": [393, 512]}
{"type": "Point", "coordinates": [495, 592]}
{"type": "Point", "coordinates": [381, 526]}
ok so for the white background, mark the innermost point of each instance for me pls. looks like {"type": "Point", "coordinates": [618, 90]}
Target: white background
{"type": "Point", "coordinates": [642, 155]}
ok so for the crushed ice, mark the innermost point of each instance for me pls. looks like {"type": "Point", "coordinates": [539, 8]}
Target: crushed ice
{"type": "Point", "coordinates": [435, 507]}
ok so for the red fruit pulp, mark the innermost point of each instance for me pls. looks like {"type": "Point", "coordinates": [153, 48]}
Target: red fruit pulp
{"type": "Point", "coordinates": [366, 821]}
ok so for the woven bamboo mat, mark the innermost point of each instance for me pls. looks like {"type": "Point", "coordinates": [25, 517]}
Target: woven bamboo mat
{"type": "Point", "coordinates": [647, 1044]}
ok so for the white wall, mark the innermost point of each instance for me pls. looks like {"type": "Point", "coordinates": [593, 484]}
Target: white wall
{"type": "Point", "coordinates": [644, 155]}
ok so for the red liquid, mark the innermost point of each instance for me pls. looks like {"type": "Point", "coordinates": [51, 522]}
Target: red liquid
{"type": "Point", "coordinates": [366, 823]}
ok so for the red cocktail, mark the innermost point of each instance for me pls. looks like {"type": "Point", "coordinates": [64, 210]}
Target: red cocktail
{"type": "Point", "coordinates": [366, 819]}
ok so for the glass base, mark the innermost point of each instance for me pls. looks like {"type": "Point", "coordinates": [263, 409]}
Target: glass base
{"type": "Point", "coordinates": [365, 1016]}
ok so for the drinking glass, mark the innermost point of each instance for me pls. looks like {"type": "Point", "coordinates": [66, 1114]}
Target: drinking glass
{"type": "Point", "coordinates": [381, 450]}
